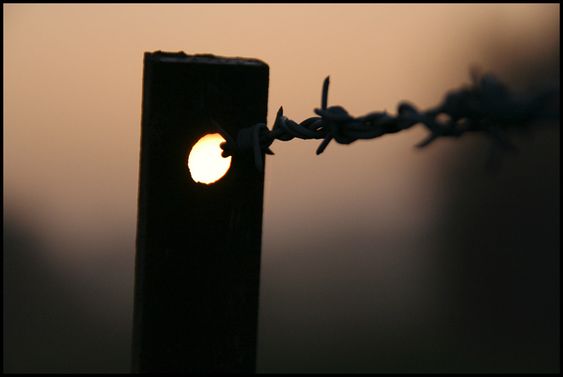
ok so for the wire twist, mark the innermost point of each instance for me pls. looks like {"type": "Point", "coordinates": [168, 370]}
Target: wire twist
{"type": "Point", "coordinates": [486, 106]}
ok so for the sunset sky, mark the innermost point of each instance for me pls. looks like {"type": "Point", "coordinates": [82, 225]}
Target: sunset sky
{"type": "Point", "coordinates": [349, 237]}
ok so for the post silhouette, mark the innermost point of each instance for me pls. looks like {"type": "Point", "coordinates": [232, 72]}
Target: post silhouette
{"type": "Point", "coordinates": [198, 246]}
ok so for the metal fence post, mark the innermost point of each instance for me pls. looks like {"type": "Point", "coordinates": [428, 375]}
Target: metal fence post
{"type": "Point", "coordinates": [198, 246]}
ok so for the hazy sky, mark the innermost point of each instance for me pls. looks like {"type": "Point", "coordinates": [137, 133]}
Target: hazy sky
{"type": "Point", "coordinates": [340, 228]}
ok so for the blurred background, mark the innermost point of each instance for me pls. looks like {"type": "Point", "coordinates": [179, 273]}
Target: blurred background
{"type": "Point", "coordinates": [376, 257]}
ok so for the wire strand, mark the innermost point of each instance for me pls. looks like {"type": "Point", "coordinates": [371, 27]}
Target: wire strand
{"type": "Point", "coordinates": [486, 106]}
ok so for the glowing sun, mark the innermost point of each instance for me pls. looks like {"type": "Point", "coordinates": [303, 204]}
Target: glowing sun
{"type": "Point", "coordinates": [205, 162]}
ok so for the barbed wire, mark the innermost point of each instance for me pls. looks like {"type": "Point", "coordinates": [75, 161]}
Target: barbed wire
{"type": "Point", "coordinates": [486, 106]}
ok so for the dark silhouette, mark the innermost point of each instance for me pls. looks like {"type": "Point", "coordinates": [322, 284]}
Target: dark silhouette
{"type": "Point", "coordinates": [198, 246]}
{"type": "Point", "coordinates": [486, 106]}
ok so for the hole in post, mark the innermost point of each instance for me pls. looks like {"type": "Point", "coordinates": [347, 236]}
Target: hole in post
{"type": "Point", "coordinates": [205, 163]}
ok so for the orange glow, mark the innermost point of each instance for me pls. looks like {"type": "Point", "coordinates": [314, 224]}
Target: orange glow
{"type": "Point", "coordinates": [205, 162]}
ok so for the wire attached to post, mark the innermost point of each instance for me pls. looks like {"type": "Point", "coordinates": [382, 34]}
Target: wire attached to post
{"type": "Point", "coordinates": [486, 106]}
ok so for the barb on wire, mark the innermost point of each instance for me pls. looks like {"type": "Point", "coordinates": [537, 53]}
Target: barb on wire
{"type": "Point", "coordinates": [486, 106]}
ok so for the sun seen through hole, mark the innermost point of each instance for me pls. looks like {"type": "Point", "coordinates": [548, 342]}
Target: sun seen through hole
{"type": "Point", "coordinates": [205, 163]}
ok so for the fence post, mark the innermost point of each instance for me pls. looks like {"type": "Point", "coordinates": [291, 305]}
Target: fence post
{"type": "Point", "coordinates": [198, 246]}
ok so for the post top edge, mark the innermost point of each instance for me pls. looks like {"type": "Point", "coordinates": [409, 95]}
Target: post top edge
{"type": "Point", "coordinates": [182, 57]}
